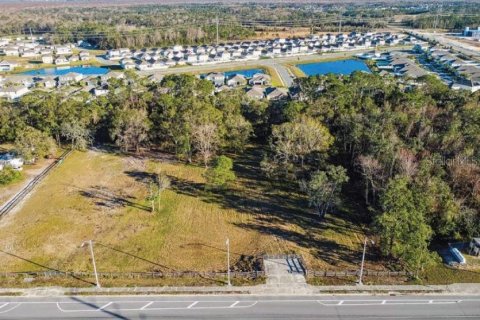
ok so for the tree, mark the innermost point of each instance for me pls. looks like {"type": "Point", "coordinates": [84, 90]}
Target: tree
{"type": "Point", "coordinates": [130, 128]}
{"type": "Point", "coordinates": [221, 173]}
{"type": "Point", "coordinates": [403, 232]}
{"type": "Point", "coordinates": [293, 141]}
{"type": "Point", "coordinates": [78, 135]}
{"type": "Point", "coordinates": [372, 171]}
{"type": "Point", "coordinates": [160, 183]}
{"type": "Point", "coordinates": [323, 188]}
{"type": "Point", "coordinates": [32, 144]}
{"type": "Point", "coordinates": [205, 141]}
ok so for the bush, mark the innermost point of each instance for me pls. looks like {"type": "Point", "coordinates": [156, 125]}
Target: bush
{"type": "Point", "coordinates": [9, 175]}
{"type": "Point", "coordinates": [221, 174]}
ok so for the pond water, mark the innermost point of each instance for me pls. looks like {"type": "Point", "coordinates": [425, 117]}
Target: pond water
{"type": "Point", "coordinates": [343, 67]}
{"type": "Point", "coordinates": [59, 71]}
{"type": "Point", "coordinates": [247, 73]}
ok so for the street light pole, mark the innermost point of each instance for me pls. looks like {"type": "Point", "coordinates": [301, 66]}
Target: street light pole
{"type": "Point", "coordinates": [228, 261]}
{"type": "Point", "coordinates": [90, 243]}
{"type": "Point", "coordinates": [360, 277]}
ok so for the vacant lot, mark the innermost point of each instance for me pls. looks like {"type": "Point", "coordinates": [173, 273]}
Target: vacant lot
{"type": "Point", "coordinates": [100, 195]}
{"type": "Point", "coordinates": [29, 172]}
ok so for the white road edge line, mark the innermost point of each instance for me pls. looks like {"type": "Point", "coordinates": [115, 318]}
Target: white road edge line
{"type": "Point", "coordinates": [147, 305]}
{"type": "Point", "coordinates": [234, 304]}
{"type": "Point", "coordinates": [192, 305]}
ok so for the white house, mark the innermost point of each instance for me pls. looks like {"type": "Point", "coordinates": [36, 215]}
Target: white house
{"type": "Point", "coordinates": [70, 77]}
{"type": "Point", "coordinates": [236, 81]}
{"type": "Point", "coordinates": [11, 51]}
{"type": "Point", "coordinates": [62, 50]}
{"type": "Point", "coordinates": [260, 79]}
{"type": "Point", "coordinates": [47, 59]}
{"type": "Point", "coordinates": [127, 64]}
{"type": "Point", "coordinates": [13, 93]}
{"type": "Point", "coordinates": [114, 55]}
{"type": "Point", "coordinates": [61, 60]}
{"type": "Point", "coordinates": [84, 56]}
{"type": "Point", "coordinates": [6, 65]}
{"type": "Point", "coordinates": [11, 160]}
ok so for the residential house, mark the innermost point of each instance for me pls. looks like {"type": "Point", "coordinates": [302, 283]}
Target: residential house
{"type": "Point", "coordinates": [70, 77]}
{"type": "Point", "coordinates": [217, 78]}
{"type": "Point", "coordinates": [127, 64]}
{"type": "Point", "coordinates": [11, 160]}
{"type": "Point", "coordinates": [276, 93]}
{"type": "Point", "coordinates": [6, 65]}
{"type": "Point", "coordinates": [255, 92]}
{"type": "Point", "coordinates": [13, 93]}
{"type": "Point", "coordinates": [84, 56]}
{"type": "Point", "coordinates": [61, 60]}
{"type": "Point", "coordinates": [63, 50]}
{"type": "Point", "coordinates": [47, 59]}
{"type": "Point", "coordinates": [237, 80]}
{"type": "Point", "coordinates": [47, 83]}
{"type": "Point", "coordinates": [11, 51]}
{"type": "Point", "coordinates": [101, 91]}
{"type": "Point", "coordinates": [260, 79]}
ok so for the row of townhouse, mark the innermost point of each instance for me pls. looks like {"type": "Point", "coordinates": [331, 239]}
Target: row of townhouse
{"type": "Point", "coordinates": [219, 79]}
{"type": "Point", "coordinates": [465, 72]}
{"type": "Point", "coordinates": [32, 49]}
{"type": "Point", "coordinates": [400, 65]}
{"type": "Point", "coordinates": [406, 67]}
{"type": "Point", "coordinates": [13, 87]}
{"type": "Point", "coordinates": [160, 58]}
{"type": "Point", "coordinates": [10, 65]}
{"type": "Point", "coordinates": [259, 85]}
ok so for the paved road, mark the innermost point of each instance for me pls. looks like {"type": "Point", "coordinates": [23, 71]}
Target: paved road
{"type": "Point", "coordinates": [242, 307]}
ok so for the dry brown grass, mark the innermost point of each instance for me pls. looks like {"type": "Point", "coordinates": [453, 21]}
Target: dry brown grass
{"type": "Point", "coordinates": [101, 196]}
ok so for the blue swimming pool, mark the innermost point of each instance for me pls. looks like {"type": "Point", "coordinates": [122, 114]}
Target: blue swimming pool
{"type": "Point", "coordinates": [59, 71]}
{"type": "Point", "coordinates": [343, 67]}
{"type": "Point", "coordinates": [247, 73]}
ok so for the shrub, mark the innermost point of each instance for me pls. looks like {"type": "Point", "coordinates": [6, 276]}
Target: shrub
{"type": "Point", "coordinates": [9, 175]}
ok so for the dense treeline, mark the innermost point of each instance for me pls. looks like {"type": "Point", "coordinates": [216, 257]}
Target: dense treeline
{"type": "Point", "coordinates": [156, 25]}
{"type": "Point", "coordinates": [411, 155]}
{"type": "Point", "coordinates": [449, 22]}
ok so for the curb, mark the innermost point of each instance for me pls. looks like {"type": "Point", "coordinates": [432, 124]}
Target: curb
{"type": "Point", "coordinates": [457, 289]}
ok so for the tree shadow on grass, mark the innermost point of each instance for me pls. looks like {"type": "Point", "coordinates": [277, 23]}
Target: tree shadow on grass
{"type": "Point", "coordinates": [47, 267]}
{"type": "Point", "coordinates": [276, 207]}
{"type": "Point", "coordinates": [141, 176]}
{"type": "Point", "coordinates": [106, 198]}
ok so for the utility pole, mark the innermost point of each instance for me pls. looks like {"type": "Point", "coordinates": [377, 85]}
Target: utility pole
{"type": "Point", "coordinates": [340, 25]}
{"type": "Point", "coordinates": [228, 261]}
{"type": "Point", "coordinates": [216, 20]}
{"type": "Point", "coordinates": [31, 35]}
{"type": "Point", "coordinates": [90, 243]}
{"type": "Point", "coordinates": [360, 277]}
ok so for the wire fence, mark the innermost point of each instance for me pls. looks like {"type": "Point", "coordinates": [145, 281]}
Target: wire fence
{"type": "Point", "coordinates": [356, 273]}
{"type": "Point", "coordinates": [7, 207]}
{"type": "Point", "coordinates": [132, 275]}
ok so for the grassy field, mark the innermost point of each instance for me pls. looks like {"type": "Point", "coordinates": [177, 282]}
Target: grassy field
{"type": "Point", "coordinates": [101, 196]}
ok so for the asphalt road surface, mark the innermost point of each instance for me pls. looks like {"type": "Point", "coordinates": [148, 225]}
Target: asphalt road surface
{"type": "Point", "coordinates": [242, 307]}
